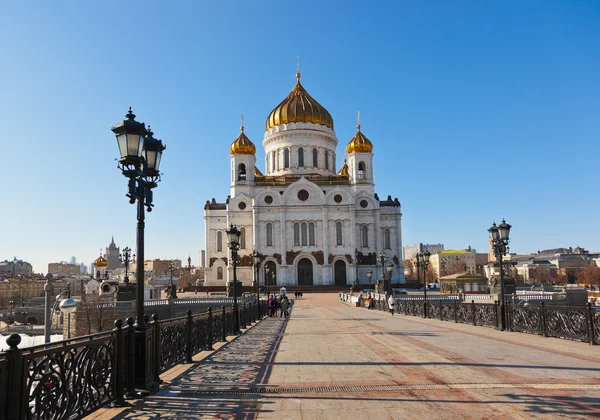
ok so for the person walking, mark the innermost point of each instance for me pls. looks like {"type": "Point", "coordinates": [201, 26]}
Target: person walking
{"type": "Point", "coordinates": [391, 303]}
{"type": "Point", "coordinates": [285, 303]}
{"type": "Point", "coordinates": [272, 306]}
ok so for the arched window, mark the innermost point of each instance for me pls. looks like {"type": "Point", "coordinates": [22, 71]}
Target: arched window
{"type": "Point", "coordinates": [243, 238]}
{"type": "Point", "coordinates": [241, 172]}
{"type": "Point", "coordinates": [286, 158]}
{"type": "Point", "coordinates": [303, 234]}
{"type": "Point", "coordinates": [362, 169]}
{"type": "Point", "coordinates": [301, 157]}
{"type": "Point", "coordinates": [338, 233]}
{"type": "Point", "coordinates": [219, 273]}
{"type": "Point", "coordinates": [315, 157]}
{"type": "Point", "coordinates": [219, 241]}
{"type": "Point", "coordinates": [326, 159]}
{"type": "Point", "coordinates": [269, 234]}
{"type": "Point", "coordinates": [365, 236]}
{"type": "Point", "coordinates": [273, 159]}
{"type": "Point", "coordinates": [296, 234]}
{"type": "Point", "coordinates": [386, 239]}
{"type": "Point", "coordinates": [311, 234]}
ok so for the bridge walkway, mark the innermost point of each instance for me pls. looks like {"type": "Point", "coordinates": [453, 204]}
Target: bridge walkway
{"type": "Point", "coordinates": [332, 361]}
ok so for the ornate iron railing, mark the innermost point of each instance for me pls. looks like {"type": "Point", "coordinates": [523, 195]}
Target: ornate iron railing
{"type": "Point", "coordinates": [581, 323]}
{"type": "Point", "coordinates": [69, 379]}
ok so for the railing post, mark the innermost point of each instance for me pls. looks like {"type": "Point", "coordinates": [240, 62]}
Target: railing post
{"type": "Point", "coordinates": [473, 312]}
{"type": "Point", "coordinates": [496, 312]}
{"type": "Point", "coordinates": [441, 317]}
{"type": "Point", "coordinates": [244, 314]}
{"type": "Point", "coordinates": [210, 329]}
{"type": "Point", "coordinates": [455, 316]}
{"type": "Point", "coordinates": [119, 365]}
{"type": "Point", "coordinates": [590, 315]}
{"type": "Point", "coordinates": [224, 324]}
{"type": "Point", "coordinates": [16, 398]}
{"type": "Point", "coordinates": [543, 319]}
{"type": "Point", "coordinates": [234, 317]}
{"type": "Point", "coordinates": [188, 337]}
{"type": "Point", "coordinates": [157, 355]}
{"type": "Point", "coordinates": [130, 358]}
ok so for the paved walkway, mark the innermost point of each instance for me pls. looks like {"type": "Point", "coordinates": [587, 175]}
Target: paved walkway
{"type": "Point", "coordinates": [333, 361]}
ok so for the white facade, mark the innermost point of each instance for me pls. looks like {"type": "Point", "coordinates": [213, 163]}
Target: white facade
{"type": "Point", "coordinates": [309, 222]}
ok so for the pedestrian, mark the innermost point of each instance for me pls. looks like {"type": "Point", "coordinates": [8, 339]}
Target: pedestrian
{"type": "Point", "coordinates": [391, 302]}
{"type": "Point", "coordinates": [284, 306]}
{"type": "Point", "coordinates": [272, 306]}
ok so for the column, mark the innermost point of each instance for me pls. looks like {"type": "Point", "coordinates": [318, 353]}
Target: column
{"type": "Point", "coordinates": [326, 246]}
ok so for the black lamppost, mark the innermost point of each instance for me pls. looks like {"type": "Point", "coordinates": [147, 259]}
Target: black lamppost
{"type": "Point", "coordinates": [418, 265]}
{"type": "Point", "coordinates": [258, 259]}
{"type": "Point", "coordinates": [390, 269]}
{"type": "Point", "coordinates": [172, 291]}
{"type": "Point", "coordinates": [233, 235]}
{"type": "Point", "coordinates": [382, 261]}
{"type": "Point", "coordinates": [423, 259]}
{"type": "Point", "coordinates": [126, 259]}
{"type": "Point", "coordinates": [369, 277]}
{"type": "Point", "coordinates": [499, 237]}
{"type": "Point", "coordinates": [140, 160]}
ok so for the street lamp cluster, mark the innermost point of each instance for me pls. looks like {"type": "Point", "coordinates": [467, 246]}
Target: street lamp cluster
{"type": "Point", "coordinates": [258, 259]}
{"type": "Point", "coordinates": [423, 263]}
{"type": "Point", "coordinates": [233, 237]}
{"type": "Point", "coordinates": [140, 159]}
{"type": "Point", "coordinates": [125, 258]}
{"type": "Point", "coordinates": [173, 289]}
{"type": "Point", "coordinates": [499, 238]}
{"type": "Point", "coordinates": [386, 271]}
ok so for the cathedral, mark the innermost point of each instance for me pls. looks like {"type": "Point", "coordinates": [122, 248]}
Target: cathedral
{"type": "Point", "coordinates": [314, 224]}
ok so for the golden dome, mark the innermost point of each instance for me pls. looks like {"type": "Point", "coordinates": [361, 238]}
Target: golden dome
{"type": "Point", "coordinates": [299, 106]}
{"type": "Point", "coordinates": [242, 145]}
{"type": "Point", "coordinates": [100, 262]}
{"type": "Point", "coordinates": [344, 170]}
{"type": "Point", "coordinates": [359, 143]}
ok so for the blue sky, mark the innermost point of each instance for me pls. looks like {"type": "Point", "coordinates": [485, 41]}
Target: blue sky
{"type": "Point", "coordinates": [477, 111]}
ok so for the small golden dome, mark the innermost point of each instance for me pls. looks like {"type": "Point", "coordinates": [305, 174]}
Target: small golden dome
{"type": "Point", "coordinates": [101, 262]}
{"type": "Point", "coordinates": [242, 145]}
{"type": "Point", "coordinates": [299, 106]}
{"type": "Point", "coordinates": [359, 143]}
{"type": "Point", "coordinates": [344, 170]}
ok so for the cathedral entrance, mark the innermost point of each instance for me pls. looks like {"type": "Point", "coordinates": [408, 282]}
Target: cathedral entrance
{"type": "Point", "coordinates": [339, 269]}
{"type": "Point", "coordinates": [305, 272]}
{"type": "Point", "coordinates": [270, 274]}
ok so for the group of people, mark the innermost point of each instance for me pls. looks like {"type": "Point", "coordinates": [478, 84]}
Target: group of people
{"type": "Point", "coordinates": [370, 304]}
{"type": "Point", "coordinates": [279, 305]}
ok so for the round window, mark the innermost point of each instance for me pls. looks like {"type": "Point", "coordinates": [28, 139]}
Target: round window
{"type": "Point", "coordinates": [242, 206]}
{"type": "Point", "coordinates": [364, 204]}
{"type": "Point", "coordinates": [268, 199]}
{"type": "Point", "coordinates": [337, 198]}
{"type": "Point", "coordinates": [302, 195]}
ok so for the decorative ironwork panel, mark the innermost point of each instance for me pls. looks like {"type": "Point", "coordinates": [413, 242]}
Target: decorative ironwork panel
{"type": "Point", "coordinates": [485, 314]}
{"type": "Point", "coordinates": [217, 326]}
{"type": "Point", "coordinates": [525, 319]}
{"type": "Point", "coordinates": [447, 311]}
{"type": "Point", "coordinates": [69, 381]}
{"type": "Point", "coordinates": [172, 343]}
{"type": "Point", "coordinates": [566, 322]}
{"type": "Point", "coordinates": [596, 320]}
{"type": "Point", "coordinates": [464, 313]}
{"type": "Point", "coordinates": [433, 309]}
{"type": "Point", "coordinates": [200, 333]}
{"type": "Point", "coordinates": [229, 321]}
{"type": "Point", "coordinates": [418, 308]}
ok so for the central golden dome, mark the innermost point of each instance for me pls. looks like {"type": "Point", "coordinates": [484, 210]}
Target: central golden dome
{"type": "Point", "coordinates": [299, 106]}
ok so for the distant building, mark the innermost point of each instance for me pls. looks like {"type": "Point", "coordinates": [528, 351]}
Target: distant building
{"type": "Point", "coordinates": [64, 269]}
{"type": "Point", "coordinates": [113, 255]}
{"type": "Point", "coordinates": [453, 261]}
{"type": "Point", "coordinates": [15, 268]}
{"type": "Point", "coordinates": [411, 251]}
{"type": "Point", "coordinates": [73, 260]}
{"type": "Point", "coordinates": [161, 267]}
